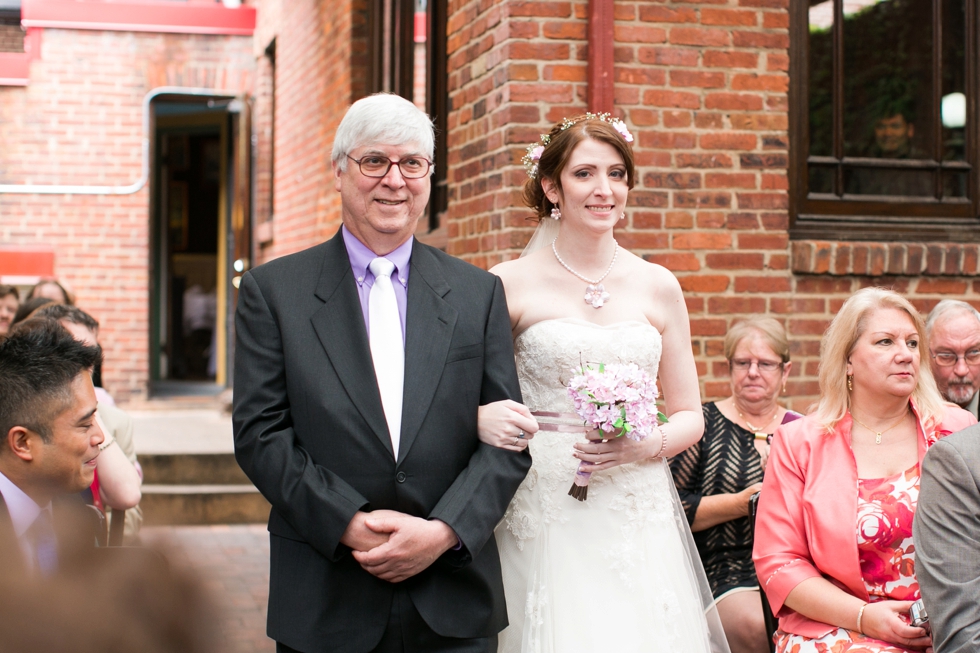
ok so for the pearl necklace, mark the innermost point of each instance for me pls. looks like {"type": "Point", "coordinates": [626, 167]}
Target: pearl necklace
{"type": "Point", "coordinates": [595, 292]}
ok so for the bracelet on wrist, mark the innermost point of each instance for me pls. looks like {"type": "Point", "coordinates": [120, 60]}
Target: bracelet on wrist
{"type": "Point", "coordinates": [861, 614]}
{"type": "Point", "coordinates": [108, 443]}
{"type": "Point", "coordinates": [663, 443]}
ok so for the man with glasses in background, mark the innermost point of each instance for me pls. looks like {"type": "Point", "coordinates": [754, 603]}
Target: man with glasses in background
{"type": "Point", "coordinates": [953, 330]}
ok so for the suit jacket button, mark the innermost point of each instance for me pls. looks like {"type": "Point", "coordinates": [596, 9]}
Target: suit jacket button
{"type": "Point", "coordinates": [400, 477]}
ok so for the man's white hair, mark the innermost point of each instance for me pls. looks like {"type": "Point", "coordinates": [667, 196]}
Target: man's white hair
{"type": "Point", "coordinates": [382, 119]}
{"type": "Point", "coordinates": [946, 309]}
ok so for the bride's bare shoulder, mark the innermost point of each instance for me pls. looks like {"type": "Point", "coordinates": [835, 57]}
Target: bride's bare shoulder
{"type": "Point", "coordinates": [652, 274]}
{"type": "Point", "coordinates": [517, 268]}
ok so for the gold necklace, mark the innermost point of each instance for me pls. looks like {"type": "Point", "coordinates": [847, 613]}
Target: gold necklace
{"type": "Point", "coordinates": [754, 429]}
{"type": "Point", "coordinates": [878, 433]}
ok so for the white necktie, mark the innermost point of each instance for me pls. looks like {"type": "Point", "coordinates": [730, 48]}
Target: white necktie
{"type": "Point", "coordinates": [387, 349]}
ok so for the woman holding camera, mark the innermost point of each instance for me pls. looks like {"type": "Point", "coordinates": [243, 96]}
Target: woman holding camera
{"type": "Point", "coordinates": [833, 540]}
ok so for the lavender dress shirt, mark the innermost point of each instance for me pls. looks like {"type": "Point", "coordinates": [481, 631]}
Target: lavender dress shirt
{"type": "Point", "coordinates": [360, 258]}
{"type": "Point", "coordinates": [23, 511]}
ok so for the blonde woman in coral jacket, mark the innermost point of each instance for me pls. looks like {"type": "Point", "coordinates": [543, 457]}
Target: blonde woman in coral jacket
{"type": "Point", "coordinates": [833, 541]}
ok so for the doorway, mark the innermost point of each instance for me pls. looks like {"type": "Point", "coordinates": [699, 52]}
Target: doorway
{"type": "Point", "coordinates": [197, 186]}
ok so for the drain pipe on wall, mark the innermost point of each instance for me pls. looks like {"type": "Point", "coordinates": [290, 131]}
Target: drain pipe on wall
{"type": "Point", "coordinates": [601, 91]}
{"type": "Point", "coordinates": [135, 187]}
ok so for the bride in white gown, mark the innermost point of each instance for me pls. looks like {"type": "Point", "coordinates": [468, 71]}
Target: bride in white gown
{"type": "Point", "coordinates": [617, 573]}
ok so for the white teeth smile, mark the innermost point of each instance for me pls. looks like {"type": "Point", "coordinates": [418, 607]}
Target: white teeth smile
{"type": "Point", "coordinates": [390, 202]}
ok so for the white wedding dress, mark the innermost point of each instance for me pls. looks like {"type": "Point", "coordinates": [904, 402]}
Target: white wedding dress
{"type": "Point", "coordinates": [617, 573]}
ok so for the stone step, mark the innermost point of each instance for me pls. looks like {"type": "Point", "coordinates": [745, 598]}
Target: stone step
{"type": "Point", "coordinates": [203, 504]}
{"type": "Point", "coordinates": [198, 488]}
{"type": "Point", "coordinates": [191, 469]}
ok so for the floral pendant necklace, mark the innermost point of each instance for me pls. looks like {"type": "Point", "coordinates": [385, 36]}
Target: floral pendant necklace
{"type": "Point", "coordinates": [595, 292]}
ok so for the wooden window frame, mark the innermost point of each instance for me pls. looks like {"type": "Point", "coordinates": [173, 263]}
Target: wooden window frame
{"type": "Point", "coordinates": [823, 217]}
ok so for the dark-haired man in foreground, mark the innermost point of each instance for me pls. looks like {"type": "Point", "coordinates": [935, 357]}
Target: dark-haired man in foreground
{"type": "Point", "coordinates": [50, 438]}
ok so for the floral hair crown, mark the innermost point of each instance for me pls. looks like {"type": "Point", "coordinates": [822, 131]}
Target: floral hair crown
{"type": "Point", "coordinates": [535, 151]}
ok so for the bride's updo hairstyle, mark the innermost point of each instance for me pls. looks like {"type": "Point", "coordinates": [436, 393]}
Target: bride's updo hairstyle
{"type": "Point", "coordinates": [556, 149]}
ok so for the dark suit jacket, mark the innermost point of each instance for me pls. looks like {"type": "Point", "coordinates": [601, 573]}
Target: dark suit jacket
{"type": "Point", "coordinates": [311, 434]}
{"type": "Point", "coordinates": [947, 541]}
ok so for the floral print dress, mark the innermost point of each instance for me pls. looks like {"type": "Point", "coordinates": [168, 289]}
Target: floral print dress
{"type": "Point", "coordinates": [885, 510]}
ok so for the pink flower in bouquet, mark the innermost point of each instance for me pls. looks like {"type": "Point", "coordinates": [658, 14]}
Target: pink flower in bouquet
{"type": "Point", "coordinates": [618, 399]}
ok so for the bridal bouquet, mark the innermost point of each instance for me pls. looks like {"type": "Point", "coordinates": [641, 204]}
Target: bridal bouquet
{"type": "Point", "coordinates": [618, 399]}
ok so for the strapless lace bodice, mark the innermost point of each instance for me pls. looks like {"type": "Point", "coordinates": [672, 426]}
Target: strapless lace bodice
{"type": "Point", "coordinates": [622, 552]}
{"type": "Point", "coordinates": [548, 351]}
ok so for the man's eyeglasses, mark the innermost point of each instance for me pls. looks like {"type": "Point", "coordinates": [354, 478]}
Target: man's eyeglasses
{"type": "Point", "coordinates": [413, 167]}
{"type": "Point", "coordinates": [764, 366]}
{"type": "Point", "coordinates": [949, 359]}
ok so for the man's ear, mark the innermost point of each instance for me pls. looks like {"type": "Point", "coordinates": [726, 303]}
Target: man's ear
{"type": "Point", "coordinates": [336, 174]}
{"type": "Point", "coordinates": [550, 189]}
{"type": "Point", "coordinates": [21, 441]}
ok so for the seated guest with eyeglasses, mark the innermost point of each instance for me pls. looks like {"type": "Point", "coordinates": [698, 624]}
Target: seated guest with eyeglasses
{"type": "Point", "coordinates": [833, 537]}
{"type": "Point", "coordinates": [716, 477]}
{"type": "Point", "coordinates": [953, 330]}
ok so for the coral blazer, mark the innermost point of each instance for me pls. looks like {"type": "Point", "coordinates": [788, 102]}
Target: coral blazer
{"type": "Point", "coordinates": [807, 514]}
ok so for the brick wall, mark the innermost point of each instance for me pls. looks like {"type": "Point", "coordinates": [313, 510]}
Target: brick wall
{"type": "Point", "coordinates": [79, 121]}
{"type": "Point", "coordinates": [703, 85]}
{"type": "Point", "coordinates": [314, 86]}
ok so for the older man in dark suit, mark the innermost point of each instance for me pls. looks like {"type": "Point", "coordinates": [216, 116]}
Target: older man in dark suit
{"type": "Point", "coordinates": [360, 366]}
{"type": "Point", "coordinates": [947, 541]}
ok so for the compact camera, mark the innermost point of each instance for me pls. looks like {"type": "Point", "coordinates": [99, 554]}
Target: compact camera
{"type": "Point", "coordinates": [917, 614]}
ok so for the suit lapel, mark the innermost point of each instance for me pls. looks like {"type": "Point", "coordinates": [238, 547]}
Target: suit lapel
{"type": "Point", "coordinates": [429, 328]}
{"type": "Point", "coordinates": [339, 325]}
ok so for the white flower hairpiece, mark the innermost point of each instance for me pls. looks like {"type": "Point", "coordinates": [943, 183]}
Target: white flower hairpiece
{"type": "Point", "coordinates": [534, 151]}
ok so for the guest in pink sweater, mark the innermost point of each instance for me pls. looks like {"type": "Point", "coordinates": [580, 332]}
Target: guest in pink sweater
{"type": "Point", "coordinates": [833, 541]}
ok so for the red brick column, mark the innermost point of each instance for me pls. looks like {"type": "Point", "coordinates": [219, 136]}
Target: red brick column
{"type": "Point", "coordinates": [314, 88]}
{"type": "Point", "coordinates": [515, 68]}
{"type": "Point", "coordinates": [705, 86]}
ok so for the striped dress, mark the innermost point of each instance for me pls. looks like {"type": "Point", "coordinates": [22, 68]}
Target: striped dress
{"type": "Point", "coordinates": [724, 461]}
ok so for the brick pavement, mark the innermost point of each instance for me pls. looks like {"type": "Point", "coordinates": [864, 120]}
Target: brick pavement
{"type": "Point", "coordinates": [233, 562]}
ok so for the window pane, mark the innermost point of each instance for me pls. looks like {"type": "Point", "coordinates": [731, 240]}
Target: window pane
{"type": "Point", "coordinates": [822, 179]}
{"type": "Point", "coordinates": [418, 90]}
{"type": "Point", "coordinates": [888, 79]}
{"type": "Point", "coordinates": [889, 181]}
{"type": "Point", "coordinates": [954, 184]}
{"type": "Point", "coordinates": [821, 57]}
{"type": "Point", "coordinates": [954, 79]}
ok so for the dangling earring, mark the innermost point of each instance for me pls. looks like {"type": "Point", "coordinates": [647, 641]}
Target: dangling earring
{"type": "Point", "coordinates": [784, 388]}
{"type": "Point", "coordinates": [556, 213]}
{"type": "Point", "coordinates": [850, 385]}
{"type": "Point", "coordinates": [622, 216]}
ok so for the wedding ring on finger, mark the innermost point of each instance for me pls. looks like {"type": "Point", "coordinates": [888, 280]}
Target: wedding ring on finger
{"type": "Point", "coordinates": [520, 434]}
